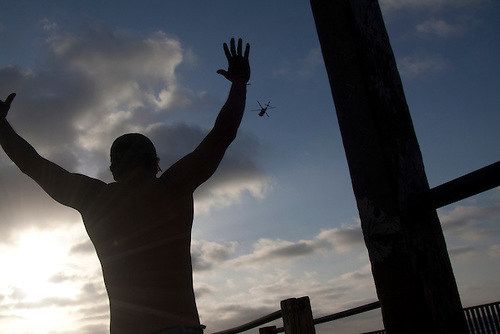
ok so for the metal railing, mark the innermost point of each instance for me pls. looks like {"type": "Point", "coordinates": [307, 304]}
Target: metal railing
{"type": "Point", "coordinates": [253, 324]}
{"type": "Point", "coordinates": [481, 319]}
{"type": "Point", "coordinates": [300, 326]}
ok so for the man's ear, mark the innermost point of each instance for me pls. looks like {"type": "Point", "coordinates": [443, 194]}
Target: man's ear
{"type": "Point", "coordinates": [158, 168]}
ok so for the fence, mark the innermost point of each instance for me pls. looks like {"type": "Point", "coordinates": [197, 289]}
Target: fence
{"type": "Point", "coordinates": [298, 319]}
{"type": "Point", "coordinates": [481, 319]}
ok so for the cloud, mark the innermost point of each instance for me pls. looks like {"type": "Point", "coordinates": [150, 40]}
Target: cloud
{"type": "Point", "coordinates": [131, 79]}
{"type": "Point", "coordinates": [229, 185]}
{"type": "Point", "coordinates": [237, 175]}
{"type": "Point", "coordinates": [17, 293]}
{"type": "Point", "coordinates": [89, 329]}
{"type": "Point", "coordinates": [88, 307]}
{"type": "Point", "coordinates": [84, 247]}
{"type": "Point", "coordinates": [205, 255]}
{"type": "Point", "coordinates": [438, 27]}
{"type": "Point", "coordinates": [282, 285]}
{"type": "Point", "coordinates": [412, 67]}
{"type": "Point", "coordinates": [266, 290]}
{"type": "Point", "coordinates": [24, 205]}
{"type": "Point", "coordinates": [494, 251]}
{"type": "Point", "coordinates": [390, 5]}
{"type": "Point", "coordinates": [302, 68]}
{"type": "Point", "coordinates": [310, 63]}
{"type": "Point", "coordinates": [49, 25]}
{"type": "Point", "coordinates": [47, 302]}
{"type": "Point", "coordinates": [471, 222]}
{"type": "Point", "coordinates": [266, 252]}
{"type": "Point", "coordinates": [357, 275]}
{"type": "Point", "coordinates": [61, 277]}
{"type": "Point", "coordinates": [202, 289]}
{"type": "Point", "coordinates": [266, 274]}
{"type": "Point", "coordinates": [95, 86]}
{"type": "Point", "coordinates": [463, 252]}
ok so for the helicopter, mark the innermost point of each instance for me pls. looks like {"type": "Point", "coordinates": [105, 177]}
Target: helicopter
{"type": "Point", "coordinates": [263, 109]}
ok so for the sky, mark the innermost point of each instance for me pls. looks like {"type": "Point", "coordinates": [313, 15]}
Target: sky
{"type": "Point", "coordinates": [278, 219]}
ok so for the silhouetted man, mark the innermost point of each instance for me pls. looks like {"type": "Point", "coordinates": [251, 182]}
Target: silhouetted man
{"type": "Point", "coordinates": [140, 225]}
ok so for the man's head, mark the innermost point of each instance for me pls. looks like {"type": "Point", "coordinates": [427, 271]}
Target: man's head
{"type": "Point", "coordinates": [130, 153]}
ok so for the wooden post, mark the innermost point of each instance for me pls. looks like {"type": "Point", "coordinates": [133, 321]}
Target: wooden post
{"type": "Point", "coordinates": [267, 330]}
{"type": "Point", "coordinates": [297, 316]}
{"type": "Point", "coordinates": [410, 264]}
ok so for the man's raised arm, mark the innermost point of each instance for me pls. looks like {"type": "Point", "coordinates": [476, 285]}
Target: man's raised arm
{"type": "Point", "coordinates": [238, 73]}
{"type": "Point", "coordinates": [73, 190]}
{"type": "Point", "coordinates": [198, 166]}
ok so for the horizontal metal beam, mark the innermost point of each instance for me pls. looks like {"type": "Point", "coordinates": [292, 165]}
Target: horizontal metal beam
{"type": "Point", "coordinates": [252, 324]}
{"type": "Point", "coordinates": [342, 314]}
{"type": "Point", "coordinates": [348, 313]}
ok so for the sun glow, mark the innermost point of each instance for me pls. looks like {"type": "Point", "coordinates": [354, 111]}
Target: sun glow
{"type": "Point", "coordinates": [29, 267]}
{"type": "Point", "coordinates": [37, 281]}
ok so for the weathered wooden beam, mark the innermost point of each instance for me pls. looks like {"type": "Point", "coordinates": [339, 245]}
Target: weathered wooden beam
{"type": "Point", "coordinates": [410, 264]}
{"type": "Point", "coordinates": [297, 316]}
{"type": "Point", "coordinates": [465, 186]}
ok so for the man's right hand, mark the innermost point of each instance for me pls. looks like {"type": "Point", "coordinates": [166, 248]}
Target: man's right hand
{"type": "Point", "coordinates": [238, 66]}
{"type": "Point", "coordinates": [5, 105]}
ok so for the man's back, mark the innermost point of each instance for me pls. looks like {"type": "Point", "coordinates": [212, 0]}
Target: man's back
{"type": "Point", "coordinates": [142, 235]}
{"type": "Point", "coordinates": [141, 225]}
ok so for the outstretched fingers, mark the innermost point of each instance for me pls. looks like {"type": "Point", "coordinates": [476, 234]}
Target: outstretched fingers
{"type": "Point", "coordinates": [9, 99]}
{"type": "Point", "coordinates": [238, 66]}
{"type": "Point", "coordinates": [240, 42]}
{"type": "Point", "coordinates": [5, 105]}
{"type": "Point", "coordinates": [232, 50]}
{"type": "Point", "coordinates": [247, 51]}
{"type": "Point", "coordinates": [226, 51]}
